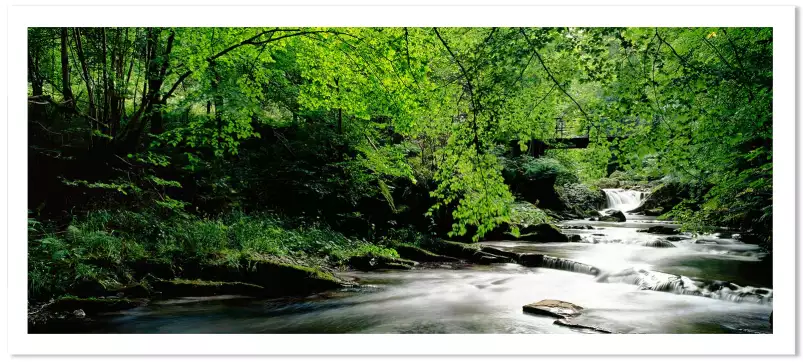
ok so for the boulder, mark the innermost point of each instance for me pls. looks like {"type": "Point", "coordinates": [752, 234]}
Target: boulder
{"type": "Point", "coordinates": [203, 288]}
{"type": "Point", "coordinates": [531, 260]}
{"type": "Point", "coordinates": [376, 262]}
{"type": "Point", "coordinates": [412, 252]}
{"type": "Point", "coordinates": [484, 258]}
{"type": "Point", "coordinates": [504, 253]}
{"type": "Point", "coordinates": [554, 308]}
{"type": "Point", "coordinates": [613, 215]}
{"type": "Point", "coordinates": [575, 238]}
{"type": "Point", "coordinates": [660, 229]}
{"type": "Point", "coordinates": [279, 276]}
{"type": "Point", "coordinates": [664, 197]}
{"type": "Point", "coordinates": [544, 233]}
{"type": "Point", "coordinates": [676, 238]}
{"type": "Point", "coordinates": [581, 199]}
{"type": "Point", "coordinates": [660, 243]}
{"type": "Point", "coordinates": [470, 252]}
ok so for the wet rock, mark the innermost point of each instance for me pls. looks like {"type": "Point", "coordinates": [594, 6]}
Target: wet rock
{"type": "Point", "coordinates": [376, 262]}
{"type": "Point", "coordinates": [660, 229]}
{"type": "Point", "coordinates": [279, 276]}
{"type": "Point", "coordinates": [464, 251]}
{"type": "Point", "coordinates": [93, 305]}
{"type": "Point", "coordinates": [613, 215]}
{"type": "Point", "coordinates": [531, 260]}
{"type": "Point", "coordinates": [664, 198]}
{"type": "Point", "coordinates": [577, 227]}
{"type": "Point", "coordinates": [676, 238]}
{"type": "Point", "coordinates": [553, 308]}
{"type": "Point", "coordinates": [203, 288]}
{"type": "Point", "coordinates": [657, 244]}
{"type": "Point", "coordinates": [582, 199]}
{"type": "Point", "coordinates": [469, 252]}
{"type": "Point", "coordinates": [575, 238]}
{"type": "Point", "coordinates": [138, 290]}
{"type": "Point", "coordinates": [484, 258]}
{"type": "Point", "coordinates": [412, 252]}
{"type": "Point", "coordinates": [568, 322]}
{"type": "Point", "coordinates": [544, 233]}
{"type": "Point", "coordinates": [79, 313]}
{"type": "Point", "coordinates": [504, 253]}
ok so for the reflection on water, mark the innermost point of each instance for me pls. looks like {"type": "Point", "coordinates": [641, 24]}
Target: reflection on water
{"type": "Point", "coordinates": [489, 299]}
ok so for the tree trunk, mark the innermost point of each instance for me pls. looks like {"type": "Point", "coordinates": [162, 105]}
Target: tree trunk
{"type": "Point", "coordinates": [104, 114]}
{"type": "Point", "coordinates": [66, 88]}
{"type": "Point", "coordinates": [34, 77]}
{"type": "Point", "coordinates": [218, 104]}
{"type": "Point", "coordinates": [85, 69]}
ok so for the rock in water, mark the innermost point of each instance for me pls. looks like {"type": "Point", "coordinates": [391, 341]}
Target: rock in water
{"type": "Point", "coordinates": [496, 251]}
{"type": "Point", "coordinates": [676, 238]}
{"type": "Point", "coordinates": [658, 244]}
{"type": "Point", "coordinates": [412, 252]}
{"type": "Point", "coordinates": [531, 260]}
{"type": "Point", "coordinates": [575, 325]}
{"type": "Point", "coordinates": [663, 230]}
{"type": "Point", "coordinates": [613, 215]}
{"type": "Point", "coordinates": [553, 308]}
{"type": "Point", "coordinates": [544, 233]}
{"type": "Point", "coordinates": [79, 313]}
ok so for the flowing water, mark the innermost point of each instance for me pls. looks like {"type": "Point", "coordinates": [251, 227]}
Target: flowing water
{"type": "Point", "coordinates": [624, 282]}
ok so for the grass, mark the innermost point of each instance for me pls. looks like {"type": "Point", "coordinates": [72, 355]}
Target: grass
{"type": "Point", "coordinates": [100, 247]}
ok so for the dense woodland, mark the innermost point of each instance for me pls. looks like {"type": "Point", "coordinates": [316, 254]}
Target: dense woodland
{"type": "Point", "coordinates": [155, 149]}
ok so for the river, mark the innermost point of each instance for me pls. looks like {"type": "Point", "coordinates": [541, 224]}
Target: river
{"type": "Point", "coordinates": [489, 299]}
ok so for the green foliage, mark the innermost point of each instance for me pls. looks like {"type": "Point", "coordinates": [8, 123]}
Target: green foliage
{"type": "Point", "coordinates": [334, 127]}
{"type": "Point", "coordinates": [525, 213]}
{"type": "Point", "coordinates": [545, 167]}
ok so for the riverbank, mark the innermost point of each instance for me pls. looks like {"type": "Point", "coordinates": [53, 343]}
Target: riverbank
{"type": "Point", "coordinates": [605, 255]}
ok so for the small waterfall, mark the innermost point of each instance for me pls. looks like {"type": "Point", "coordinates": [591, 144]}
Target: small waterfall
{"type": "Point", "coordinates": [568, 265]}
{"type": "Point", "coordinates": [623, 200]}
{"type": "Point", "coordinates": [678, 284]}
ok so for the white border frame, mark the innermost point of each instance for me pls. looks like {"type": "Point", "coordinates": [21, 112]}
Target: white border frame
{"type": "Point", "coordinates": [781, 18]}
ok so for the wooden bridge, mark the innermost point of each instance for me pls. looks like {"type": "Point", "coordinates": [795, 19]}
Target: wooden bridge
{"type": "Point", "coordinates": [537, 148]}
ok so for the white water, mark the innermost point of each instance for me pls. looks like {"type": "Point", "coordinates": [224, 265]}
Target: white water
{"type": "Point", "coordinates": [704, 284]}
{"type": "Point", "coordinates": [623, 200]}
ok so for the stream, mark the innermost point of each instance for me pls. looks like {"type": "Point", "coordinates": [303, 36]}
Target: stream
{"type": "Point", "coordinates": [640, 289]}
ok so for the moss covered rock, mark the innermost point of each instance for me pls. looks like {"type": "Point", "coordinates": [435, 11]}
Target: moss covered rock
{"type": "Point", "coordinates": [376, 262]}
{"type": "Point", "coordinates": [661, 230]}
{"type": "Point", "coordinates": [412, 252]}
{"type": "Point", "coordinates": [545, 233]}
{"type": "Point", "coordinates": [201, 288]}
{"type": "Point", "coordinates": [278, 276]}
{"type": "Point", "coordinates": [470, 252]}
{"type": "Point", "coordinates": [93, 305]}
